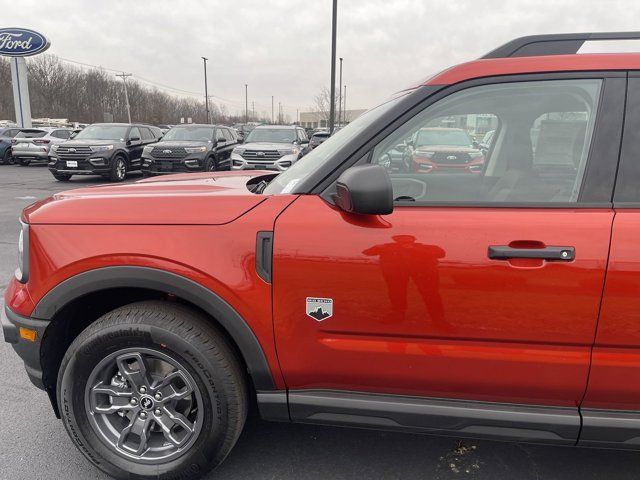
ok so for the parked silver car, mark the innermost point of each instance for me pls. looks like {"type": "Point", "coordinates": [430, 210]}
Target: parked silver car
{"type": "Point", "coordinates": [33, 144]}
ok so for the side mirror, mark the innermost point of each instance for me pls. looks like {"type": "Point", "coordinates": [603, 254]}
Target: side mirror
{"type": "Point", "coordinates": [365, 189]}
{"type": "Point", "coordinates": [221, 139]}
{"type": "Point", "coordinates": [475, 144]}
{"type": "Point", "coordinates": [134, 139]}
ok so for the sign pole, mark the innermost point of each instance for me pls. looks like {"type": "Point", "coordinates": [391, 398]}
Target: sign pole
{"type": "Point", "coordinates": [21, 92]}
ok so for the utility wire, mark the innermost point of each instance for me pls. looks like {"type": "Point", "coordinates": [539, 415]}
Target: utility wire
{"type": "Point", "coordinates": [236, 103]}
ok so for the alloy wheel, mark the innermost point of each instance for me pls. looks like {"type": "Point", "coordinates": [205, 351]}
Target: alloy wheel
{"type": "Point", "coordinates": [121, 170]}
{"type": "Point", "coordinates": [144, 405]}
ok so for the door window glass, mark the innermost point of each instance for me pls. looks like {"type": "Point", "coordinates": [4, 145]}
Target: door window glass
{"type": "Point", "coordinates": [146, 134]}
{"type": "Point", "coordinates": [506, 143]}
{"type": "Point", "coordinates": [135, 133]}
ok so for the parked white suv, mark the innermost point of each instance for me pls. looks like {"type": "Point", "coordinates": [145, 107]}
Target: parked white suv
{"type": "Point", "coordinates": [270, 147]}
{"type": "Point", "coordinates": [33, 144]}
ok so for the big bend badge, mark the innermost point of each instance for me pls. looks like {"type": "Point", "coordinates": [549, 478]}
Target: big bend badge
{"type": "Point", "coordinates": [319, 308]}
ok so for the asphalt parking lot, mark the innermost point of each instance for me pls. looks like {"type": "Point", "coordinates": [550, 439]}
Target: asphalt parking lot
{"type": "Point", "coordinates": [34, 445]}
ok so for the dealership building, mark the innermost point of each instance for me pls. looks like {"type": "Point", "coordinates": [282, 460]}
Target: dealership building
{"type": "Point", "coordinates": [321, 119]}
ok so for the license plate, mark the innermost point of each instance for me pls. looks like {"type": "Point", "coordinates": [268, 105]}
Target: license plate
{"type": "Point", "coordinates": [72, 163]}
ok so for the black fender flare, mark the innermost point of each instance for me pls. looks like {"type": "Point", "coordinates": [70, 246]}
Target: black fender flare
{"type": "Point", "coordinates": [171, 283]}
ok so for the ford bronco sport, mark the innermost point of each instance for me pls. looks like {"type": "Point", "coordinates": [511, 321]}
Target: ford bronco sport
{"type": "Point", "coordinates": [499, 304]}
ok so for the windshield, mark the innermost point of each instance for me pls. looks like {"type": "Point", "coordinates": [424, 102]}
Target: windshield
{"type": "Point", "coordinates": [272, 135]}
{"type": "Point", "coordinates": [455, 138]}
{"type": "Point", "coordinates": [194, 134]}
{"type": "Point", "coordinates": [312, 161]}
{"type": "Point", "coordinates": [103, 132]}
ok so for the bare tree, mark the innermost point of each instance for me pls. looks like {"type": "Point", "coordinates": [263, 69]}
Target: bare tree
{"type": "Point", "coordinates": [60, 90]}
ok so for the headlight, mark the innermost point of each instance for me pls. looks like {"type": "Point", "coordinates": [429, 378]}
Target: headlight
{"type": "Point", "coordinates": [424, 154]}
{"type": "Point", "coordinates": [147, 149]}
{"type": "Point", "coordinates": [195, 149]}
{"type": "Point", "coordinates": [288, 151]}
{"type": "Point", "coordinates": [22, 272]}
{"type": "Point", "coordinates": [475, 155]}
{"type": "Point", "coordinates": [238, 151]}
{"type": "Point", "coordinates": [101, 148]}
{"type": "Point", "coordinates": [54, 147]}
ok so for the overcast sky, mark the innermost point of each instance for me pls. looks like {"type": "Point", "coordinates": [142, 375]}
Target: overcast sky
{"type": "Point", "coordinates": [283, 47]}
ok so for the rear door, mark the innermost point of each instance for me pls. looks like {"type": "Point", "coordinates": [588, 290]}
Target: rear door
{"type": "Point", "coordinates": [611, 407]}
{"type": "Point", "coordinates": [485, 282]}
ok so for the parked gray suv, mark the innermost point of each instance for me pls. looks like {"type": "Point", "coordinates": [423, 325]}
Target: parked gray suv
{"type": "Point", "coordinates": [270, 147]}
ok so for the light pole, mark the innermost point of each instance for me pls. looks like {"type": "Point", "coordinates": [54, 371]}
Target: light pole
{"type": "Point", "coordinates": [332, 107]}
{"type": "Point", "coordinates": [246, 103]}
{"type": "Point", "coordinates": [126, 94]}
{"type": "Point", "coordinates": [271, 109]}
{"type": "Point", "coordinates": [206, 93]}
{"type": "Point", "coordinates": [345, 104]}
{"type": "Point", "coordinates": [340, 94]}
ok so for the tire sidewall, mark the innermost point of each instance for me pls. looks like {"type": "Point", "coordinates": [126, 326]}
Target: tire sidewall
{"type": "Point", "coordinates": [71, 398]}
{"type": "Point", "coordinates": [114, 168]}
{"type": "Point", "coordinates": [211, 162]}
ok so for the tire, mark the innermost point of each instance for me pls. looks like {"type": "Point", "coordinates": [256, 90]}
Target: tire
{"type": "Point", "coordinates": [23, 162]}
{"type": "Point", "coordinates": [7, 158]}
{"type": "Point", "coordinates": [118, 169]}
{"type": "Point", "coordinates": [164, 332]}
{"type": "Point", "coordinates": [211, 165]}
{"type": "Point", "coordinates": [62, 177]}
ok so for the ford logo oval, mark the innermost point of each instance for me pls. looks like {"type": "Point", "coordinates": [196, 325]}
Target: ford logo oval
{"type": "Point", "coordinates": [21, 42]}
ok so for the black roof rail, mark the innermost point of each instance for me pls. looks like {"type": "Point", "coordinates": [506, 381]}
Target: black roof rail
{"type": "Point", "coordinates": [554, 44]}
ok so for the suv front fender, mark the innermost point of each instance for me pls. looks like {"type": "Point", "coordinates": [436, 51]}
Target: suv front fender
{"type": "Point", "coordinates": [170, 283]}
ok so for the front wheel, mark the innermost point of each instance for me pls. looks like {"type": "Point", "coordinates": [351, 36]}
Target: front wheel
{"type": "Point", "coordinates": [211, 165]}
{"type": "Point", "coordinates": [23, 162]}
{"type": "Point", "coordinates": [152, 390]}
{"type": "Point", "coordinates": [118, 169]}
{"type": "Point", "coordinates": [62, 177]}
{"type": "Point", "coordinates": [7, 158]}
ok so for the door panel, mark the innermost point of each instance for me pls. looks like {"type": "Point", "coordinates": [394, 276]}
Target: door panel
{"type": "Point", "coordinates": [420, 309]}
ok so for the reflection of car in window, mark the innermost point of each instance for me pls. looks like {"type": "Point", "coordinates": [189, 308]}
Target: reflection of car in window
{"type": "Point", "coordinates": [442, 150]}
{"type": "Point", "coordinates": [485, 143]}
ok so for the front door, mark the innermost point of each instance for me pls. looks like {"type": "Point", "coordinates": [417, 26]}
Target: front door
{"type": "Point", "coordinates": [486, 280]}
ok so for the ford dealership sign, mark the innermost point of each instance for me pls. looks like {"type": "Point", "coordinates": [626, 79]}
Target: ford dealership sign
{"type": "Point", "coordinates": [21, 42]}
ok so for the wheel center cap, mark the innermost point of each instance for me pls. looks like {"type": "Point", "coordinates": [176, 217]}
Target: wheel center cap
{"type": "Point", "coordinates": [146, 403]}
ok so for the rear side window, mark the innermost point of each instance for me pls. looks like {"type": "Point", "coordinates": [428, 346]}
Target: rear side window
{"type": "Point", "coordinates": [522, 142]}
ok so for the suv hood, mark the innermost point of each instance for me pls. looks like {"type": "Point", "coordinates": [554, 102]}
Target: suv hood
{"type": "Point", "coordinates": [445, 148]}
{"type": "Point", "coordinates": [180, 143]}
{"type": "Point", "coordinates": [265, 146]}
{"type": "Point", "coordinates": [88, 142]}
{"type": "Point", "coordinates": [186, 199]}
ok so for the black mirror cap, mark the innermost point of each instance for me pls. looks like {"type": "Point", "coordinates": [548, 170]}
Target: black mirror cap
{"type": "Point", "coordinates": [365, 189]}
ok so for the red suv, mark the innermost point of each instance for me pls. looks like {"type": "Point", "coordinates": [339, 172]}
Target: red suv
{"type": "Point", "coordinates": [500, 304]}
